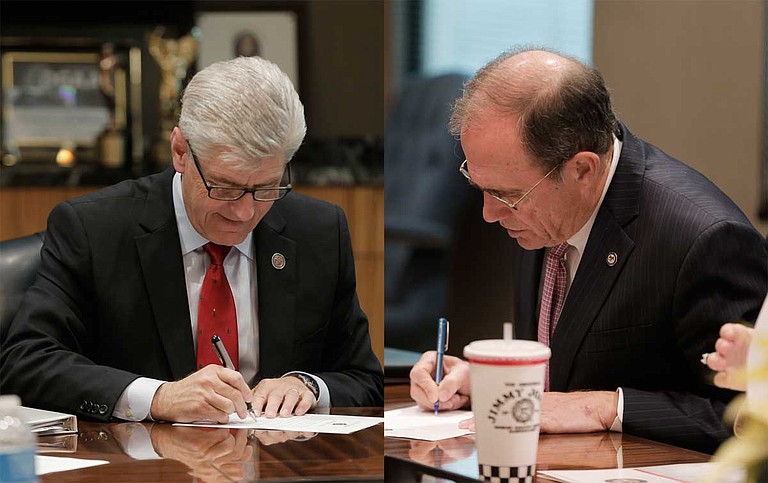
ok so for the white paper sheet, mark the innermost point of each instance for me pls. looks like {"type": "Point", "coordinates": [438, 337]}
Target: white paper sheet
{"type": "Point", "coordinates": [53, 464]}
{"type": "Point", "coordinates": [414, 423]}
{"type": "Point", "coordinates": [313, 423]}
{"type": "Point", "coordinates": [689, 472]}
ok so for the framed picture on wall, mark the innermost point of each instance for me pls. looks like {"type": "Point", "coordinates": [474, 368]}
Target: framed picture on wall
{"type": "Point", "coordinates": [272, 35]}
{"type": "Point", "coordinates": [69, 108]}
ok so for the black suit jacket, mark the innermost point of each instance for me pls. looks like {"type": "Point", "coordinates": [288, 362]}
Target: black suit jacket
{"type": "Point", "coordinates": [688, 261]}
{"type": "Point", "coordinates": [110, 303]}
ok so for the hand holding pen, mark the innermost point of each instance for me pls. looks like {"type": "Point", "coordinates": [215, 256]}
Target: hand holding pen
{"type": "Point", "coordinates": [454, 390]}
{"type": "Point", "coordinates": [209, 394]}
{"type": "Point", "coordinates": [295, 400]}
{"type": "Point", "coordinates": [442, 346]}
{"type": "Point", "coordinates": [221, 351]}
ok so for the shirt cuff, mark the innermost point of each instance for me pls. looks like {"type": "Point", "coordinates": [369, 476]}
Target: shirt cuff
{"type": "Point", "coordinates": [324, 400]}
{"type": "Point", "coordinates": [136, 400]}
{"type": "Point", "coordinates": [137, 442]}
{"type": "Point", "coordinates": [617, 423]}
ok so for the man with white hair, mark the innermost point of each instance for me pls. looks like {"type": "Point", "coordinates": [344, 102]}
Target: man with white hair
{"type": "Point", "coordinates": [137, 279]}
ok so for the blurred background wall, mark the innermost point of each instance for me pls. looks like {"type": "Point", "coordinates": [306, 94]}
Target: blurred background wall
{"type": "Point", "coordinates": [689, 77]}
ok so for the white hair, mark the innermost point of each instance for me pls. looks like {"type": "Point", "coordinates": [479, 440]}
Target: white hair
{"type": "Point", "coordinates": [241, 111]}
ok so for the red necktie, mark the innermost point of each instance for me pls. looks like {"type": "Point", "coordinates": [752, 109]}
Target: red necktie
{"type": "Point", "coordinates": [216, 314]}
{"type": "Point", "coordinates": [552, 296]}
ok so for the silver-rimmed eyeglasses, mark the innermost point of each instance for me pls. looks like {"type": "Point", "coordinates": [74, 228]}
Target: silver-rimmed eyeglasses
{"type": "Point", "coordinates": [511, 206]}
{"type": "Point", "coordinates": [225, 193]}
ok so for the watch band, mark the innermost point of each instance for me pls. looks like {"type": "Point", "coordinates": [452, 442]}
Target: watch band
{"type": "Point", "coordinates": [309, 382]}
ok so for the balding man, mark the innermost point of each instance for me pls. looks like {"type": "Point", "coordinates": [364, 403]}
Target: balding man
{"type": "Point", "coordinates": [633, 260]}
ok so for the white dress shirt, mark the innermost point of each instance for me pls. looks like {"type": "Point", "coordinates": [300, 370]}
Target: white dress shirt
{"type": "Point", "coordinates": [240, 269]}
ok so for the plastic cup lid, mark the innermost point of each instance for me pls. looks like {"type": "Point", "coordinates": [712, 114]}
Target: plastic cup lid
{"type": "Point", "coordinates": [526, 351]}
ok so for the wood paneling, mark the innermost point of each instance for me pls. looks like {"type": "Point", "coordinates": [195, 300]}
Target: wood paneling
{"type": "Point", "coordinates": [24, 211]}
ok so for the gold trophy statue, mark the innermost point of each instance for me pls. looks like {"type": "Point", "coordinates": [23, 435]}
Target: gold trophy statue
{"type": "Point", "coordinates": [111, 141]}
{"type": "Point", "coordinates": [174, 56]}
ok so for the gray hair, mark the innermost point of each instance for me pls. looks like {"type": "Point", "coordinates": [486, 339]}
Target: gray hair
{"type": "Point", "coordinates": [242, 110]}
{"type": "Point", "coordinates": [560, 112]}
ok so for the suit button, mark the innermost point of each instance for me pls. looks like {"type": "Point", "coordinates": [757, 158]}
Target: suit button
{"type": "Point", "coordinates": [82, 407]}
{"type": "Point", "coordinates": [103, 409]}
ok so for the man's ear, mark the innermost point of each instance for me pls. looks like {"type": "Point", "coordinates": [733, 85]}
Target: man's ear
{"type": "Point", "coordinates": [585, 167]}
{"type": "Point", "coordinates": [179, 150]}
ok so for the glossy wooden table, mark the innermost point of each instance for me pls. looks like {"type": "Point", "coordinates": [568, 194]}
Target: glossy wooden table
{"type": "Point", "coordinates": [222, 455]}
{"type": "Point", "coordinates": [456, 458]}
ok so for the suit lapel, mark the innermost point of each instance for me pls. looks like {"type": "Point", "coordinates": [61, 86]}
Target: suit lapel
{"type": "Point", "coordinates": [594, 280]}
{"type": "Point", "coordinates": [161, 262]}
{"type": "Point", "coordinates": [276, 293]}
{"type": "Point", "coordinates": [607, 251]}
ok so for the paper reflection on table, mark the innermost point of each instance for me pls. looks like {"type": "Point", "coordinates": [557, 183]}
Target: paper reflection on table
{"type": "Point", "coordinates": [317, 423]}
{"type": "Point", "coordinates": [211, 454]}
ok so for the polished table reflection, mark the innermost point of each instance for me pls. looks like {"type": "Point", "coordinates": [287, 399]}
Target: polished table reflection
{"type": "Point", "coordinates": [456, 458]}
{"type": "Point", "coordinates": [221, 455]}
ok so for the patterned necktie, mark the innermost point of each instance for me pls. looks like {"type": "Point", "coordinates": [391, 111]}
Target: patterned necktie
{"type": "Point", "coordinates": [552, 296]}
{"type": "Point", "coordinates": [216, 314]}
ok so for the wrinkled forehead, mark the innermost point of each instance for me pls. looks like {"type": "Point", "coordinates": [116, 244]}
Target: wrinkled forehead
{"type": "Point", "coordinates": [235, 170]}
{"type": "Point", "coordinates": [496, 156]}
{"type": "Point", "coordinates": [228, 156]}
{"type": "Point", "coordinates": [493, 140]}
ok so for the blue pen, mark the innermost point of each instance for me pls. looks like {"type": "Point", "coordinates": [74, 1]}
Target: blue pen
{"type": "Point", "coordinates": [442, 346]}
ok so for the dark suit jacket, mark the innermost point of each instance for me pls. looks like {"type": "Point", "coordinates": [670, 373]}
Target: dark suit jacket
{"type": "Point", "coordinates": [688, 261]}
{"type": "Point", "coordinates": [110, 303]}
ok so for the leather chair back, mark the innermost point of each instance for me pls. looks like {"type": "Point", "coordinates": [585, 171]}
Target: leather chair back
{"type": "Point", "coordinates": [19, 261]}
{"type": "Point", "coordinates": [441, 258]}
{"type": "Point", "coordinates": [424, 195]}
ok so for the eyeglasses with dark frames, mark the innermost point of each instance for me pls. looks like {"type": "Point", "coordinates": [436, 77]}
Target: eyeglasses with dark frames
{"type": "Point", "coordinates": [225, 193]}
{"type": "Point", "coordinates": [512, 206]}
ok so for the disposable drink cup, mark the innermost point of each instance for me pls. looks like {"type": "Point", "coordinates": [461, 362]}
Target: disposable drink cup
{"type": "Point", "coordinates": [507, 378]}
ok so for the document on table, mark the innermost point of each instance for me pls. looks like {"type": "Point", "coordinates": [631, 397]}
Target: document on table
{"type": "Point", "coordinates": [415, 423]}
{"type": "Point", "coordinates": [313, 423]}
{"type": "Point", "coordinates": [689, 472]}
{"type": "Point", "coordinates": [54, 464]}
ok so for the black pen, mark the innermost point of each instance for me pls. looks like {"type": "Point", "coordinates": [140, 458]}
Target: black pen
{"type": "Point", "coordinates": [221, 351]}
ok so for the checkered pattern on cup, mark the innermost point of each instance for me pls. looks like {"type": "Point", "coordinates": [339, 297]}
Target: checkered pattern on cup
{"type": "Point", "coordinates": [507, 474]}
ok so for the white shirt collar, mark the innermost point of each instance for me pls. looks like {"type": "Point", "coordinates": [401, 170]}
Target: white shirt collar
{"type": "Point", "coordinates": [190, 239]}
{"type": "Point", "coordinates": [579, 240]}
